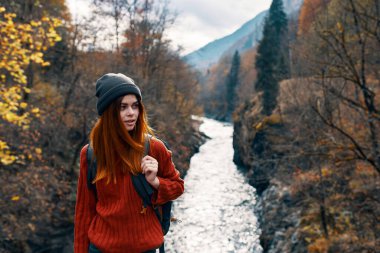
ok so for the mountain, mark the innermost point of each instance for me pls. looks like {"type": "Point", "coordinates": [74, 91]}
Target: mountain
{"type": "Point", "coordinates": [247, 36]}
{"type": "Point", "coordinates": [211, 53]}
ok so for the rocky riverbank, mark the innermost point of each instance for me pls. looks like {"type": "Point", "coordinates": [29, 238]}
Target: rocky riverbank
{"type": "Point", "coordinates": [306, 202]}
{"type": "Point", "coordinates": [259, 143]}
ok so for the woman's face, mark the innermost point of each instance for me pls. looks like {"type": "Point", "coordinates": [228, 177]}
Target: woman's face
{"type": "Point", "coordinates": [129, 111]}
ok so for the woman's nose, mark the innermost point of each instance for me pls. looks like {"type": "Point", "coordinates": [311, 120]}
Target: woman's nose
{"type": "Point", "coordinates": [129, 110]}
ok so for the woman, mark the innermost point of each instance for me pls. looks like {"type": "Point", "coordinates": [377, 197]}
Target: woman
{"type": "Point", "coordinates": [110, 219]}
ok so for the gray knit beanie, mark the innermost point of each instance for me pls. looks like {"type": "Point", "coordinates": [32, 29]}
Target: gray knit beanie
{"type": "Point", "coordinates": [111, 86]}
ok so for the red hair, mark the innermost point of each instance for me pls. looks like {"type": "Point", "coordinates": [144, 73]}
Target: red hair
{"type": "Point", "coordinates": [115, 147]}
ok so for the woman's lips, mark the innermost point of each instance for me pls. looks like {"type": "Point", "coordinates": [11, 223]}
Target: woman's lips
{"type": "Point", "coordinates": [129, 122]}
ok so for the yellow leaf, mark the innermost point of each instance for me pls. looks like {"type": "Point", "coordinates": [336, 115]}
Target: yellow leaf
{"type": "Point", "coordinates": [45, 64]}
{"type": "Point", "coordinates": [15, 198]}
{"type": "Point", "coordinates": [339, 26]}
{"type": "Point", "coordinates": [23, 105]}
{"type": "Point", "coordinates": [7, 159]}
{"type": "Point", "coordinates": [274, 119]}
{"type": "Point", "coordinates": [34, 23]}
{"type": "Point", "coordinates": [3, 145]}
{"type": "Point", "coordinates": [325, 172]}
{"type": "Point", "coordinates": [35, 110]}
{"type": "Point", "coordinates": [38, 151]}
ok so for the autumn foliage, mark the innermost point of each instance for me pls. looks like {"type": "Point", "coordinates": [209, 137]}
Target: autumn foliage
{"type": "Point", "coordinates": [318, 166]}
{"type": "Point", "coordinates": [20, 45]}
{"type": "Point", "coordinates": [309, 13]}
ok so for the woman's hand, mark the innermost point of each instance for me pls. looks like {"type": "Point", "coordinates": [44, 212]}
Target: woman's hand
{"type": "Point", "coordinates": [149, 167]}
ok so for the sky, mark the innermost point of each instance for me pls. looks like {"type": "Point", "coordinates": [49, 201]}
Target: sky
{"type": "Point", "coordinates": [199, 21]}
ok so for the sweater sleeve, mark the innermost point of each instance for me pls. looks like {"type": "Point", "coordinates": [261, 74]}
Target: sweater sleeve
{"type": "Point", "coordinates": [171, 185]}
{"type": "Point", "coordinates": [85, 208]}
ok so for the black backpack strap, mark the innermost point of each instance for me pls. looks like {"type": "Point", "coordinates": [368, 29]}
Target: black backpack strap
{"type": "Point", "coordinates": [145, 192]}
{"type": "Point", "coordinates": [91, 169]}
{"type": "Point", "coordinates": [166, 216]}
{"type": "Point", "coordinates": [162, 248]}
{"type": "Point", "coordinates": [142, 187]}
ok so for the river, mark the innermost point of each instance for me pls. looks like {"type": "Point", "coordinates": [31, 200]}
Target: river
{"type": "Point", "coordinates": [216, 211]}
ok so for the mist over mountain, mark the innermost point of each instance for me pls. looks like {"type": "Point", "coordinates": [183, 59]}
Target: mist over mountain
{"type": "Point", "coordinates": [246, 37]}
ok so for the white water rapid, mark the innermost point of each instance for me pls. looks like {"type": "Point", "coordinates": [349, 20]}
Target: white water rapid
{"type": "Point", "coordinates": [217, 208]}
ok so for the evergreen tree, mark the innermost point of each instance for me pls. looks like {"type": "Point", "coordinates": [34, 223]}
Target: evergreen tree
{"type": "Point", "coordinates": [232, 83]}
{"type": "Point", "coordinates": [272, 61]}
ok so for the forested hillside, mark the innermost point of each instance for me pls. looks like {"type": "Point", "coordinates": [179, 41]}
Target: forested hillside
{"type": "Point", "coordinates": [48, 68]}
{"type": "Point", "coordinates": [315, 158]}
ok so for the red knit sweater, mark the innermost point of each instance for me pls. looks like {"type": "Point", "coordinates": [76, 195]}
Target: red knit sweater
{"type": "Point", "coordinates": [114, 223]}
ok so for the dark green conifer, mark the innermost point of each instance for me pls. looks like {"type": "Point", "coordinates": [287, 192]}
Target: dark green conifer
{"type": "Point", "coordinates": [272, 61]}
{"type": "Point", "coordinates": [232, 83]}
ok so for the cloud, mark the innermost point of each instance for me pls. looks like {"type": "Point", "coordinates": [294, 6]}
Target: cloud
{"type": "Point", "coordinates": [219, 13]}
{"type": "Point", "coordinates": [200, 22]}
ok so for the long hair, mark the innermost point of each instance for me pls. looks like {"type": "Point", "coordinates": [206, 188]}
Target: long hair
{"type": "Point", "coordinates": [114, 146]}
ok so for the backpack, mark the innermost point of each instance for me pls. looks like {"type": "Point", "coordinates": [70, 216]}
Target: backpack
{"type": "Point", "coordinates": [142, 187]}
